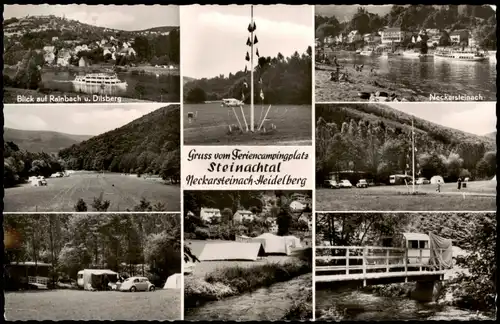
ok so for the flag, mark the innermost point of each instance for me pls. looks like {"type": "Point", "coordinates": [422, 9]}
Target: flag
{"type": "Point", "coordinates": [415, 149]}
{"type": "Point", "coordinates": [260, 80]}
{"type": "Point", "coordinates": [245, 84]}
{"type": "Point", "coordinates": [251, 27]}
{"type": "Point", "coordinates": [247, 57]}
{"type": "Point", "coordinates": [249, 43]}
{"type": "Point", "coordinates": [257, 53]}
{"type": "Point", "coordinates": [254, 26]}
{"type": "Point", "coordinates": [255, 40]}
{"type": "Point", "coordinates": [246, 70]}
{"type": "Point", "coordinates": [261, 94]}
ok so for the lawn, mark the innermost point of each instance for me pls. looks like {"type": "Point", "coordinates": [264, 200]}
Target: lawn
{"type": "Point", "coordinates": [479, 196]}
{"type": "Point", "coordinates": [61, 194]}
{"type": "Point", "coordinates": [210, 125]}
{"type": "Point", "coordinates": [58, 305]}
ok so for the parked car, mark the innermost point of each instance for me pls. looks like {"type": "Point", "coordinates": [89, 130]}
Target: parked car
{"type": "Point", "coordinates": [362, 184]}
{"type": "Point", "coordinates": [422, 180]}
{"type": "Point", "coordinates": [136, 284]}
{"type": "Point", "coordinates": [345, 184]}
{"type": "Point", "coordinates": [332, 184]}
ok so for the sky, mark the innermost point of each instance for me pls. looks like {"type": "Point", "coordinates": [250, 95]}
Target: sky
{"type": "Point", "coordinates": [76, 119]}
{"type": "Point", "coordinates": [477, 118]}
{"type": "Point", "coordinates": [213, 38]}
{"type": "Point", "coordinates": [130, 18]}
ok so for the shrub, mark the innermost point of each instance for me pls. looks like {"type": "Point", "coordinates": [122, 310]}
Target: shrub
{"type": "Point", "coordinates": [81, 206]}
{"type": "Point", "coordinates": [201, 233]}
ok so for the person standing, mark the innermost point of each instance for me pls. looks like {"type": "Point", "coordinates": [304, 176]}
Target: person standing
{"type": "Point", "coordinates": [459, 183]}
{"type": "Point", "coordinates": [438, 186]}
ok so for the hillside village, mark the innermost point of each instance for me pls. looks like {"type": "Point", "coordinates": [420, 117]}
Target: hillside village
{"type": "Point", "coordinates": [64, 42]}
{"type": "Point", "coordinates": [410, 26]}
{"type": "Point", "coordinates": [300, 207]}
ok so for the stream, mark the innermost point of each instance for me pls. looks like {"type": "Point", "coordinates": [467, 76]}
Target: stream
{"type": "Point", "coordinates": [270, 303]}
{"type": "Point", "coordinates": [362, 306]}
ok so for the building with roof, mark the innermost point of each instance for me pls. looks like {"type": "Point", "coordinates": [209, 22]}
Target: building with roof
{"type": "Point", "coordinates": [243, 215]}
{"type": "Point", "coordinates": [459, 36]}
{"type": "Point", "coordinates": [207, 214]}
{"type": "Point", "coordinates": [392, 35]}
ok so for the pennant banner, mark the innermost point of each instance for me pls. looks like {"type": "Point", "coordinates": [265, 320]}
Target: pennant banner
{"type": "Point", "coordinates": [249, 43]}
{"type": "Point", "coordinates": [257, 53]}
{"type": "Point", "coordinates": [255, 40]}
{"type": "Point", "coordinates": [246, 70]}
{"type": "Point", "coordinates": [247, 57]}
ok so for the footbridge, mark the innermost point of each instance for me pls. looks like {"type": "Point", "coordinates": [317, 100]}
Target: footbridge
{"type": "Point", "coordinates": [371, 265]}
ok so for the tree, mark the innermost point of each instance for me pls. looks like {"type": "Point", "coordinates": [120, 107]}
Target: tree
{"type": "Point", "coordinates": [227, 216]}
{"type": "Point", "coordinates": [196, 95]}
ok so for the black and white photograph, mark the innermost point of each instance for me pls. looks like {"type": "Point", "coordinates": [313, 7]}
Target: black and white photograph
{"type": "Point", "coordinates": [405, 266]}
{"type": "Point", "coordinates": [383, 53]}
{"type": "Point", "coordinates": [94, 157]}
{"type": "Point", "coordinates": [406, 157]}
{"type": "Point", "coordinates": [91, 53]}
{"type": "Point", "coordinates": [92, 267]}
{"type": "Point", "coordinates": [247, 74]}
{"type": "Point", "coordinates": [248, 255]}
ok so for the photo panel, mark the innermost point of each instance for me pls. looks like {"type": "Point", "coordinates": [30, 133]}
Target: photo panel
{"type": "Point", "coordinates": [248, 255]}
{"type": "Point", "coordinates": [247, 74]}
{"type": "Point", "coordinates": [396, 53]}
{"type": "Point", "coordinates": [406, 157]}
{"type": "Point", "coordinates": [92, 266]}
{"type": "Point", "coordinates": [91, 53]}
{"type": "Point", "coordinates": [94, 157]}
{"type": "Point", "coordinates": [405, 266]}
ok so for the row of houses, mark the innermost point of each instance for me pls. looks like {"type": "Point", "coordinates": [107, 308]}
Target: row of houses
{"type": "Point", "coordinates": [394, 35]}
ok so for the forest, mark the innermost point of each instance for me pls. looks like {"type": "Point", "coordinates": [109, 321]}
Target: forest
{"type": "Point", "coordinates": [150, 144]}
{"type": "Point", "coordinates": [267, 207]}
{"type": "Point", "coordinates": [285, 80]}
{"type": "Point", "coordinates": [130, 244]}
{"type": "Point", "coordinates": [473, 232]}
{"type": "Point", "coordinates": [377, 139]}
{"type": "Point", "coordinates": [19, 164]}
{"type": "Point", "coordinates": [480, 19]}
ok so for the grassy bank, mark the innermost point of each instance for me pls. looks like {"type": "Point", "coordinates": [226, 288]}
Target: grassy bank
{"type": "Point", "coordinates": [302, 309]}
{"type": "Point", "coordinates": [391, 290]}
{"type": "Point", "coordinates": [237, 280]}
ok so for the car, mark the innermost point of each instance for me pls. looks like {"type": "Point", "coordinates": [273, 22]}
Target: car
{"type": "Point", "coordinates": [345, 184]}
{"type": "Point", "coordinates": [422, 180]}
{"type": "Point", "coordinates": [136, 284]}
{"type": "Point", "coordinates": [362, 184]}
{"type": "Point", "coordinates": [332, 184]}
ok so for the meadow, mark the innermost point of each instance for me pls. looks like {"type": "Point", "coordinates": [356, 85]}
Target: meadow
{"type": "Point", "coordinates": [83, 305]}
{"type": "Point", "coordinates": [478, 196]}
{"type": "Point", "coordinates": [61, 194]}
{"type": "Point", "coordinates": [210, 125]}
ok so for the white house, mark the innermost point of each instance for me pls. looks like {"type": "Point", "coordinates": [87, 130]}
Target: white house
{"type": "Point", "coordinates": [207, 214]}
{"type": "Point", "coordinates": [329, 40]}
{"type": "Point", "coordinates": [297, 206]}
{"type": "Point", "coordinates": [459, 36]}
{"type": "Point", "coordinates": [390, 35]}
{"type": "Point", "coordinates": [354, 36]}
{"type": "Point", "coordinates": [63, 57]}
{"type": "Point", "coordinates": [242, 215]}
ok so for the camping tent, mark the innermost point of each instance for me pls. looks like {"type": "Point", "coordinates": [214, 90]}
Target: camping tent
{"type": "Point", "coordinates": [293, 241]}
{"type": "Point", "coordinates": [274, 244]}
{"type": "Point", "coordinates": [92, 278]}
{"type": "Point", "coordinates": [232, 251]}
{"type": "Point", "coordinates": [437, 179]}
{"type": "Point", "coordinates": [441, 251]}
{"type": "Point", "coordinates": [173, 282]}
{"type": "Point", "coordinates": [494, 178]}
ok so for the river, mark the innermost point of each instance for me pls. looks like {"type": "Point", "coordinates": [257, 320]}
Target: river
{"type": "Point", "coordinates": [270, 303]}
{"type": "Point", "coordinates": [362, 306]}
{"type": "Point", "coordinates": [428, 76]}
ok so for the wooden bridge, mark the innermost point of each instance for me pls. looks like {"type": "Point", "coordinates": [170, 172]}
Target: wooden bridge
{"type": "Point", "coordinates": [373, 263]}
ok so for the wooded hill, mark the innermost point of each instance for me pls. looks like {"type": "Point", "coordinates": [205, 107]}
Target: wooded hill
{"type": "Point", "coordinates": [375, 138]}
{"type": "Point", "coordinates": [150, 144]}
{"type": "Point", "coordinates": [119, 242]}
{"type": "Point", "coordinates": [284, 81]}
{"type": "Point", "coordinates": [41, 141]}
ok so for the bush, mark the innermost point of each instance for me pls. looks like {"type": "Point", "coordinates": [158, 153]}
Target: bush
{"type": "Point", "coordinates": [201, 233]}
{"type": "Point", "coordinates": [302, 309]}
{"type": "Point", "coordinates": [81, 206]}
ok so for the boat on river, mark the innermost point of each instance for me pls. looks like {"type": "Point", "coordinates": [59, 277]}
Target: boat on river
{"type": "Point", "coordinates": [99, 79]}
{"type": "Point", "coordinates": [465, 55]}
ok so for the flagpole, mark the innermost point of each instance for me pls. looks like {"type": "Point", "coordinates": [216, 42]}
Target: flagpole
{"type": "Point", "coordinates": [413, 154]}
{"type": "Point", "coordinates": [251, 72]}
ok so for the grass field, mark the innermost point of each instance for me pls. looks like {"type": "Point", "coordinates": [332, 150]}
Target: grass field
{"type": "Point", "coordinates": [203, 268]}
{"type": "Point", "coordinates": [77, 305]}
{"type": "Point", "coordinates": [61, 194]}
{"type": "Point", "coordinates": [210, 125]}
{"type": "Point", "coordinates": [480, 195]}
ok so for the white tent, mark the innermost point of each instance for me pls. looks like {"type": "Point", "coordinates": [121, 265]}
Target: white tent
{"type": "Point", "coordinates": [293, 241]}
{"type": "Point", "coordinates": [274, 244]}
{"type": "Point", "coordinates": [232, 251]}
{"type": "Point", "coordinates": [437, 179]}
{"type": "Point", "coordinates": [494, 178]}
{"type": "Point", "coordinates": [173, 282]}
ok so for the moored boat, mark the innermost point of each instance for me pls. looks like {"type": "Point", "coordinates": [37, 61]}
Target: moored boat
{"type": "Point", "coordinates": [472, 56]}
{"type": "Point", "coordinates": [99, 79]}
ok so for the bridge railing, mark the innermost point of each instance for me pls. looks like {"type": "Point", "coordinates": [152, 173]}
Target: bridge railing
{"type": "Point", "coordinates": [366, 259]}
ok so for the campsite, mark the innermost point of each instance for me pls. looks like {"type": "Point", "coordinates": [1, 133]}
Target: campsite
{"type": "Point", "coordinates": [261, 253]}
{"type": "Point", "coordinates": [405, 266]}
{"type": "Point", "coordinates": [211, 121]}
{"type": "Point", "coordinates": [124, 192]}
{"type": "Point", "coordinates": [89, 266]}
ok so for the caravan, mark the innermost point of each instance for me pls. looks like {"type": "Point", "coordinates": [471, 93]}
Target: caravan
{"type": "Point", "coordinates": [93, 279]}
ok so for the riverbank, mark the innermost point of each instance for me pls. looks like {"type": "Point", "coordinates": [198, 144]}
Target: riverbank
{"type": "Point", "coordinates": [302, 309]}
{"type": "Point", "coordinates": [11, 95]}
{"type": "Point", "coordinates": [357, 82]}
{"type": "Point", "coordinates": [226, 282]}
